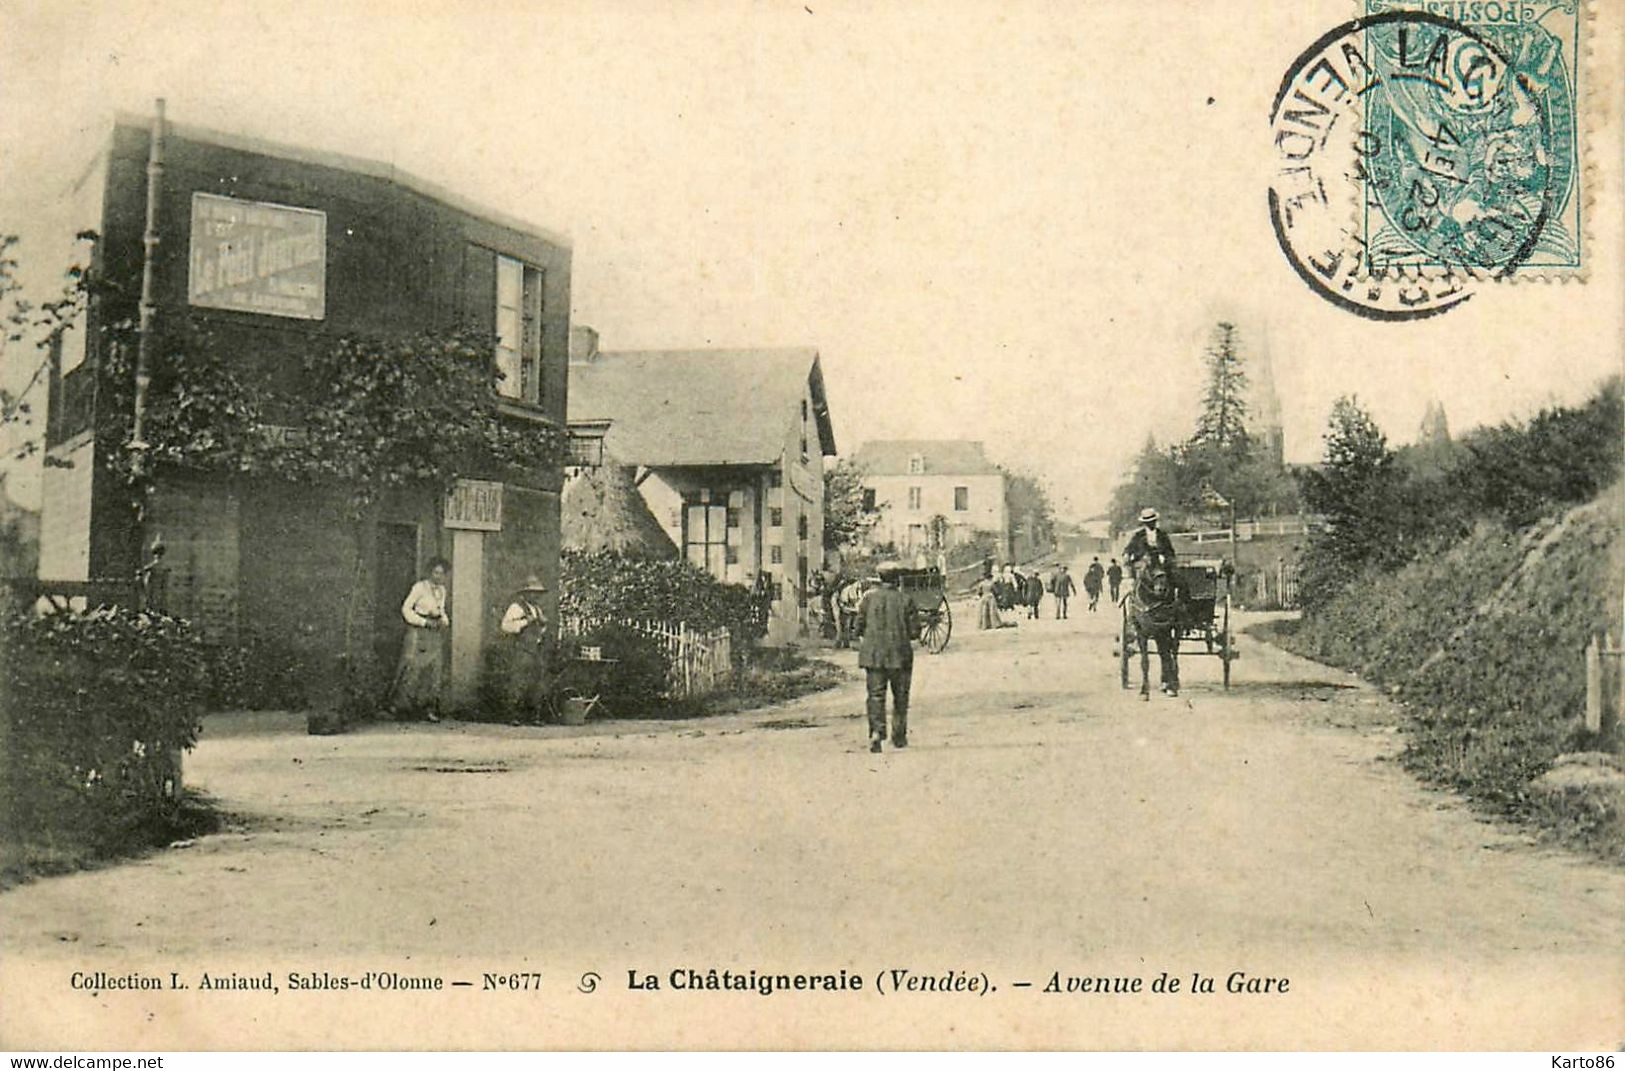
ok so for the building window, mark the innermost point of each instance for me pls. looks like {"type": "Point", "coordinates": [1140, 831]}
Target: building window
{"type": "Point", "coordinates": [705, 537]}
{"type": "Point", "coordinates": [519, 330]}
{"type": "Point", "coordinates": [913, 498]}
{"type": "Point", "coordinates": [869, 500]}
{"type": "Point", "coordinates": [916, 465]}
{"type": "Point", "coordinates": [961, 498]}
{"type": "Point", "coordinates": [801, 526]}
{"type": "Point", "coordinates": [776, 555]}
{"type": "Point", "coordinates": [775, 517]}
{"type": "Point", "coordinates": [916, 535]}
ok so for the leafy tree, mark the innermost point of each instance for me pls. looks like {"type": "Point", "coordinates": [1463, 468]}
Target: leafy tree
{"type": "Point", "coordinates": [1563, 456]}
{"type": "Point", "coordinates": [846, 521]}
{"type": "Point", "coordinates": [1355, 492]}
{"type": "Point", "coordinates": [23, 324]}
{"type": "Point", "coordinates": [1160, 479]}
{"type": "Point", "coordinates": [1029, 508]}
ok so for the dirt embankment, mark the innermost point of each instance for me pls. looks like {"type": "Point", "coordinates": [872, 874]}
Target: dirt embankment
{"type": "Point", "coordinates": [1484, 646]}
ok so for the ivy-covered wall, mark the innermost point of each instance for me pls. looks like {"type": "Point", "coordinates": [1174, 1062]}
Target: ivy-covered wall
{"type": "Point", "coordinates": [263, 540]}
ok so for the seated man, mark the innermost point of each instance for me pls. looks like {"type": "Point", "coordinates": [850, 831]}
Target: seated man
{"type": "Point", "coordinates": [1148, 542]}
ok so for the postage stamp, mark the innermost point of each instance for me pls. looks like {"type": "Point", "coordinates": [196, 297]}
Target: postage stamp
{"type": "Point", "coordinates": [1470, 148]}
{"type": "Point", "coordinates": [1420, 156]}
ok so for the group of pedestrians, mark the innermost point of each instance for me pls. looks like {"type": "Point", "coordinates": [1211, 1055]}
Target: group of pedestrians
{"type": "Point", "coordinates": [997, 592]}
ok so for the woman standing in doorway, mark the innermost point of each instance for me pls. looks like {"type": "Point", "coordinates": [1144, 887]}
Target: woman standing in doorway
{"type": "Point", "coordinates": [420, 679]}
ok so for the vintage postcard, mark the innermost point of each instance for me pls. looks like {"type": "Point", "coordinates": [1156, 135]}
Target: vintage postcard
{"type": "Point", "coordinates": [812, 525]}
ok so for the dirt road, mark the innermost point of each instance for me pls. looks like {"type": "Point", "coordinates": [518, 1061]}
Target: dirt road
{"type": "Point", "coordinates": [1043, 825]}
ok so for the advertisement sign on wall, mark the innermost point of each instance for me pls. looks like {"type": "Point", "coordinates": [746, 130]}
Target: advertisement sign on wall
{"type": "Point", "coordinates": [249, 256]}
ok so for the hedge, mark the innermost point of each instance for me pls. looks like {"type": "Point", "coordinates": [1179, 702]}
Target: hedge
{"type": "Point", "coordinates": [603, 584]}
{"type": "Point", "coordinates": [98, 707]}
{"type": "Point", "coordinates": [1483, 644]}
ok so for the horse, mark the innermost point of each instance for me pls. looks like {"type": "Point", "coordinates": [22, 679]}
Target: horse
{"type": "Point", "coordinates": [1153, 608]}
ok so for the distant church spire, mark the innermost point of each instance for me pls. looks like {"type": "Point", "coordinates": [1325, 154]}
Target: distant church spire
{"type": "Point", "coordinates": [1263, 404]}
{"type": "Point", "coordinates": [1435, 428]}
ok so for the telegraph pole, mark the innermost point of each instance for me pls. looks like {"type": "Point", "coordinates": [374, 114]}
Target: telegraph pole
{"type": "Point", "coordinates": [140, 466]}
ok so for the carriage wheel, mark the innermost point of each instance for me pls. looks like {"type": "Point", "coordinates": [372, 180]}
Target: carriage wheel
{"type": "Point", "coordinates": [1123, 642]}
{"type": "Point", "coordinates": [1226, 641]}
{"type": "Point", "coordinates": [938, 627]}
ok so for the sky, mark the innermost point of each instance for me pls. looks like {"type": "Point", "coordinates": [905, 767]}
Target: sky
{"type": "Point", "coordinates": [1008, 222]}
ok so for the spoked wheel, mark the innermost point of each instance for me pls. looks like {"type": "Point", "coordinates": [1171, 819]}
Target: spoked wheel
{"type": "Point", "coordinates": [938, 627]}
{"type": "Point", "coordinates": [1123, 642]}
{"type": "Point", "coordinates": [1226, 642]}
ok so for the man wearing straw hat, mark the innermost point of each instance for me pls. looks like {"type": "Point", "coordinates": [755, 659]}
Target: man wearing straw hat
{"type": "Point", "coordinates": [525, 623]}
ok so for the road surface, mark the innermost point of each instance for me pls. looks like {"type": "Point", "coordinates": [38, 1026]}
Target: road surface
{"type": "Point", "coordinates": [1044, 827]}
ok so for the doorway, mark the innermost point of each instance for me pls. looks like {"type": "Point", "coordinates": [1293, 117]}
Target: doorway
{"type": "Point", "coordinates": [395, 570]}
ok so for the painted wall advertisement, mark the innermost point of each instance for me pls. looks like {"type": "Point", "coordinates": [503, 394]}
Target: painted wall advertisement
{"type": "Point", "coordinates": [249, 256]}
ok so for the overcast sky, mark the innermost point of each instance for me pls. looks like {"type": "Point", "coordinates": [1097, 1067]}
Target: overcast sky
{"type": "Point", "coordinates": [1008, 222]}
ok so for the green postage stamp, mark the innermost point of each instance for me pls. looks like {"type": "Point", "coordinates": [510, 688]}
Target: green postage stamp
{"type": "Point", "coordinates": [1470, 153]}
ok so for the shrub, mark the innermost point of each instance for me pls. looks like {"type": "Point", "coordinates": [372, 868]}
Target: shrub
{"type": "Point", "coordinates": [603, 584]}
{"type": "Point", "coordinates": [633, 684]}
{"type": "Point", "coordinates": [98, 707]}
{"type": "Point", "coordinates": [1484, 644]}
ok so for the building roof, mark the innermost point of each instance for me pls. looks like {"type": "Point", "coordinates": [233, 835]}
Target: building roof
{"type": "Point", "coordinates": [699, 407]}
{"type": "Point", "coordinates": [942, 457]}
{"type": "Point", "coordinates": [342, 162]}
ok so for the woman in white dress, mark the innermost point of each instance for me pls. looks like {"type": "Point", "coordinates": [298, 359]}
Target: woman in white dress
{"type": "Point", "coordinates": [420, 681]}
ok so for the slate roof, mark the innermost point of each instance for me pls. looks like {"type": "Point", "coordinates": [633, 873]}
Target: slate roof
{"type": "Point", "coordinates": [699, 407]}
{"type": "Point", "coordinates": [943, 457]}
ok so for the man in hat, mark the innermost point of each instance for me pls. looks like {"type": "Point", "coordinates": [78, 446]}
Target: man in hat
{"type": "Point", "coordinates": [1092, 577]}
{"type": "Point", "coordinates": [525, 625]}
{"type": "Point", "coordinates": [886, 653]}
{"type": "Point", "coordinates": [1148, 541]}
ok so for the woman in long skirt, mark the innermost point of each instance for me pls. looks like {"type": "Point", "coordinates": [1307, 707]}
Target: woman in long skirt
{"type": "Point", "coordinates": [987, 606]}
{"type": "Point", "coordinates": [420, 679]}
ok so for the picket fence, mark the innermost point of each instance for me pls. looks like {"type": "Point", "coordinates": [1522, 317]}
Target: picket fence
{"type": "Point", "coordinates": [1277, 589]}
{"type": "Point", "coordinates": [701, 662]}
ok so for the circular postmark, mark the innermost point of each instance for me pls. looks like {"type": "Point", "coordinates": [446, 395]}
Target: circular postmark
{"type": "Point", "coordinates": [1417, 158]}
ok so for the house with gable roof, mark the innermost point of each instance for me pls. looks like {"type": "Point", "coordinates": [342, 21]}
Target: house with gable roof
{"type": "Point", "coordinates": [910, 482]}
{"type": "Point", "coordinates": [727, 447]}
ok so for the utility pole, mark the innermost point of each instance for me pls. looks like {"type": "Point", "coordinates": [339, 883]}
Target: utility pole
{"type": "Point", "coordinates": [140, 461]}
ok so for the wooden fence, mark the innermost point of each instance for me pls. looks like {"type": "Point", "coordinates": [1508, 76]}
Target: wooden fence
{"type": "Point", "coordinates": [1275, 589]}
{"type": "Point", "coordinates": [701, 662]}
{"type": "Point", "coordinates": [1605, 682]}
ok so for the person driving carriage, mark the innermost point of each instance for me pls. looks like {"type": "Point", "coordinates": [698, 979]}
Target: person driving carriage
{"type": "Point", "coordinates": [1148, 541]}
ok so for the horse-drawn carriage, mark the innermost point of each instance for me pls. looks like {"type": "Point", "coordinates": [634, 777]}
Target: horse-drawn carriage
{"type": "Point", "coordinates": [925, 588]}
{"type": "Point", "coordinates": [1195, 606]}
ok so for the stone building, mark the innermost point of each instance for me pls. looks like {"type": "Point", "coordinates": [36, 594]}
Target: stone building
{"type": "Point", "coordinates": [915, 483]}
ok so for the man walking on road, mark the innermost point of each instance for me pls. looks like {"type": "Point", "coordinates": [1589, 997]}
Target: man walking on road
{"type": "Point", "coordinates": [1114, 577]}
{"type": "Point", "coordinates": [886, 654]}
{"type": "Point", "coordinates": [1091, 583]}
{"type": "Point", "coordinates": [1063, 588]}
